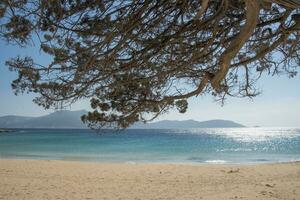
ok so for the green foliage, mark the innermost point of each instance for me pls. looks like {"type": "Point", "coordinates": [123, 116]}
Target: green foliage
{"type": "Point", "coordinates": [136, 60]}
{"type": "Point", "coordinates": [181, 105]}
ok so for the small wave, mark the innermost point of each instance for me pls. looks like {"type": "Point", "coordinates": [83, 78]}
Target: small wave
{"type": "Point", "coordinates": [130, 163]}
{"type": "Point", "coordinates": [260, 160]}
{"type": "Point", "coordinates": [216, 161]}
{"type": "Point", "coordinates": [295, 160]}
{"type": "Point", "coordinates": [235, 150]}
{"type": "Point", "coordinates": [195, 159]}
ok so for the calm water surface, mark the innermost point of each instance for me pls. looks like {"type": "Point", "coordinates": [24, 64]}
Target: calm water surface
{"type": "Point", "coordinates": [228, 145]}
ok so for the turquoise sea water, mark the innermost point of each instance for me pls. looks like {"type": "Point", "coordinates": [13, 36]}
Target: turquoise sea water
{"type": "Point", "coordinates": [228, 145]}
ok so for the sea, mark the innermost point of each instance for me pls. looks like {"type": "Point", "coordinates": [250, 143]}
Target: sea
{"type": "Point", "coordinates": [213, 145]}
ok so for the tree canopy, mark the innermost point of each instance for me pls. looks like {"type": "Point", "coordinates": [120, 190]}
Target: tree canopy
{"type": "Point", "coordinates": [136, 59]}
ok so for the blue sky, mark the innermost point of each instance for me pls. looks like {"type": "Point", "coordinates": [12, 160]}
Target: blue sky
{"type": "Point", "coordinates": [278, 105]}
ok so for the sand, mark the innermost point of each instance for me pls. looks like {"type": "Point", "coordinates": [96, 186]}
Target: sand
{"type": "Point", "coordinates": [33, 179]}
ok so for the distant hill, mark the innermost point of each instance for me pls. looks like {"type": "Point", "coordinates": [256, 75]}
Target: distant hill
{"type": "Point", "coordinates": [169, 124]}
{"type": "Point", "coordinates": [71, 119]}
{"type": "Point", "coordinates": [58, 119]}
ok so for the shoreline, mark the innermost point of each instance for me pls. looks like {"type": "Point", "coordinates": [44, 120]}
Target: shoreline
{"type": "Point", "coordinates": [195, 164]}
{"type": "Point", "coordinates": [57, 179]}
{"type": "Point", "coordinates": [154, 163]}
{"type": "Point", "coordinates": [209, 162]}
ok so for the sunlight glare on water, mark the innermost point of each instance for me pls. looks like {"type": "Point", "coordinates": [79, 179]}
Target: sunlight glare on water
{"type": "Point", "coordinates": [248, 134]}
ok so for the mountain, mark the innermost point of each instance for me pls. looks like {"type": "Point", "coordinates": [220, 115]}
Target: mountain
{"type": "Point", "coordinates": [169, 124]}
{"type": "Point", "coordinates": [12, 120]}
{"type": "Point", "coordinates": [71, 119]}
{"type": "Point", "coordinates": [58, 119]}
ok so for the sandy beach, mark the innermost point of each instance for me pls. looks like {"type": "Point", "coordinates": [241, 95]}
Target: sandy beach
{"type": "Point", "coordinates": [34, 179]}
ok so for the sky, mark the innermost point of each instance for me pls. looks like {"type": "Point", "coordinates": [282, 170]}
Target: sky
{"type": "Point", "coordinates": [277, 106]}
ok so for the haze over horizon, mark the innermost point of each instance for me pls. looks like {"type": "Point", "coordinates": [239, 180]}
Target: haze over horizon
{"type": "Point", "coordinates": [278, 105]}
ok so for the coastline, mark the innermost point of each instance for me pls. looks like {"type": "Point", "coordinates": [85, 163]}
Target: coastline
{"type": "Point", "coordinates": [150, 162]}
{"type": "Point", "coordinates": [56, 179]}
